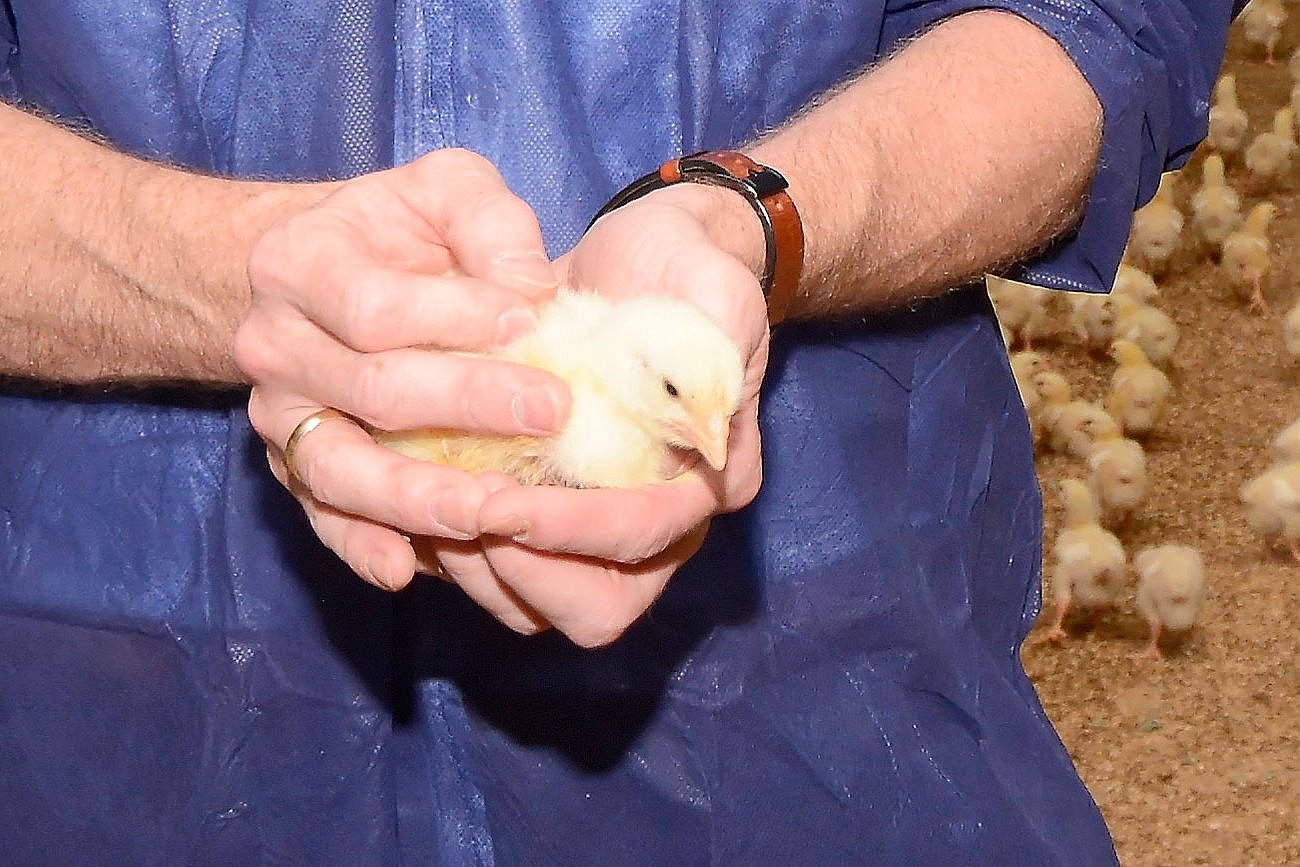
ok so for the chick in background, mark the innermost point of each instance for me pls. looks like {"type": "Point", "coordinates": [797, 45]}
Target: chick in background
{"type": "Point", "coordinates": [1216, 207]}
{"type": "Point", "coordinates": [1228, 120]}
{"type": "Point", "coordinates": [1078, 427]}
{"type": "Point", "coordinates": [1149, 327]}
{"type": "Point", "coordinates": [1291, 332]}
{"type": "Point", "coordinates": [1273, 505]}
{"type": "Point", "coordinates": [1139, 391]}
{"type": "Point", "coordinates": [1092, 319]}
{"type": "Point", "coordinates": [1294, 99]}
{"type": "Point", "coordinates": [1268, 156]}
{"type": "Point", "coordinates": [1052, 391]}
{"type": "Point", "coordinates": [1024, 365]}
{"type": "Point", "coordinates": [1056, 401]}
{"type": "Point", "coordinates": [1134, 283]}
{"type": "Point", "coordinates": [1261, 25]}
{"type": "Point", "coordinates": [1286, 445]}
{"type": "Point", "coordinates": [1247, 256]}
{"type": "Point", "coordinates": [652, 379]}
{"type": "Point", "coordinates": [1089, 560]}
{"type": "Point", "coordinates": [1117, 477]}
{"type": "Point", "coordinates": [1171, 590]}
{"type": "Point", "coordinates": [1157, 230]}
{"type": "Point", "coordinates": [1022, 310]}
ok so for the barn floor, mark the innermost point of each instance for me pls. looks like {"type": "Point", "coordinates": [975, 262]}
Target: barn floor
{"type": "Point", "coordinates": [1196, 759]}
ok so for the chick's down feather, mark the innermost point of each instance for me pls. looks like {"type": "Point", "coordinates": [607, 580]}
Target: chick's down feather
{"type": "Point", "coordinates": [652, 379]}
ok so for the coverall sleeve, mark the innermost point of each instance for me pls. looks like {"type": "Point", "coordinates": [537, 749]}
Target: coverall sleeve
{"type": "Point", "coordinates": [1152, 65]}
{"type": "Point", "coordinates": [8, 46]}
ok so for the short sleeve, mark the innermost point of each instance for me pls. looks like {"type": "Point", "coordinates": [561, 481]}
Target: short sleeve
{"type": "Point", "coordinates": [1152, 65]}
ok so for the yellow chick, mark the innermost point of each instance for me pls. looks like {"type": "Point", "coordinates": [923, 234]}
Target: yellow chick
{"type": "Point", "coordinates": [1007, 337]}
{"type": "Point", "coordinates": [1171, 589]}
{"type": "Point", "coordinates": [1268, 156]}
{"type": "Point", "coordinates": [1247, 258]}
{"type": "Point", "coordinates": [1156, 231]}
{"type": "Point", "coordinates": [1092, 319]}
{"type": "Point", "coordinates": [1138, 390]}
{"type": "Point", "coordinates": [1068, 425]}
{"type": "Point", "coordinates": [1135, 283]}
{"type": "Point", "coordinates": [1291, 331]}
{"type": "Point", "coordinates": [1053, 392]}
{"type": "Point", "coordinates": [1273, 505]}
{"type": "Point", "coordinates": [1024, 365]}
{"type": "Point", "coordinates": [1022, 309]}
{"type": "Point", "coordinates": [1117, 477]}
{"type": "Point", "coordinates": [648, 377]}
{"type": "Point", "coordinates": [1228, 120]}
{"type": "Point", "coordinates": [1261, 24]}
{"type": "Point", "coordinates": [1216, 207]}
{"type": "Point", "coordinates": [1149, 327]}
{"type": "Point", "coordinates": [1090, 561]}
{"type": "Point", "coordinates": [1286, 445]}
{"type": "Point", "coordinates": [1078, 426]}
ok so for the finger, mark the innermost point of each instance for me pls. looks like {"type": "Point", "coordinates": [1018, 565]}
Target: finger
{"type": "Point", "coordinates": [493, 233]}
{"type": "Point", "coordinates": [465, 564]}
{"type": "Point", "coordinates": [322, 265]}
{"type": "Point", "coordinates": [590, 601]}
{"type": "Point", "coordinates": [371, 306]}
{"type": "Point", "coordinates": [744, 474]}
{"type": "Point", "coordinates": [626, 525]}
{"type": "Point", "coordinates": [403, 389]}
{"type": "Point", "coordinates": [339, 466]}
{"type": "Point", "coordinates": [378, 554]}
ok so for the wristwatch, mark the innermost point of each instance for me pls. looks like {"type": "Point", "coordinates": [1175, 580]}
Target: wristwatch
{"type": "Point", "coordinates": [765, 190]}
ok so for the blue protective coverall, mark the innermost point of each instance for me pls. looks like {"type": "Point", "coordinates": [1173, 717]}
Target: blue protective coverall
{"type": "Point", "coordinates": [188, 676]}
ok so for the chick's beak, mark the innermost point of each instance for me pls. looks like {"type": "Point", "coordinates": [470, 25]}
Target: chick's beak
{"type": "Point", "coordinates": [707, 434]}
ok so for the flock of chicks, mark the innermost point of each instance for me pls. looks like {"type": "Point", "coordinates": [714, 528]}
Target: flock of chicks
{"type": "Point", "coordinates": [1089, 564]}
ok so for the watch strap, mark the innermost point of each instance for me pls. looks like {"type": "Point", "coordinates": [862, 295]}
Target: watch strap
{"type": "Point", "coordinates": [766, 191]}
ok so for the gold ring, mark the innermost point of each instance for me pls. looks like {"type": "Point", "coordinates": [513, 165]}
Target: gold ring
{"type": "Point", "coordinates": [306, 426]}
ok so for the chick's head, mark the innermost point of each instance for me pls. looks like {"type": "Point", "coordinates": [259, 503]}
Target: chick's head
{"type": "Point", "coordinates": [1259, 217]}
{"type": "Point", "coordinates": [1127, 353]}
{"type": "Point", "coordinates": [682, 373]}
{"type": "Point", "coordinates": [1077, 500]}
{"type": "Point", "coordinates": [1052, 387]}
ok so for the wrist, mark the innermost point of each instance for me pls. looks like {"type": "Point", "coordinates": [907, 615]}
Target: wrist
{"type": "Point", "coordinates": [728, 220]}
{"type": "Point", "coordinates": [763, 189]}
{"type": "Point", "coordinates": [200, 230]}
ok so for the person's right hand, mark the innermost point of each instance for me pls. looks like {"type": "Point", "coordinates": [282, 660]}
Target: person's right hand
{"type": "Point", "coordinates": [362, 303]}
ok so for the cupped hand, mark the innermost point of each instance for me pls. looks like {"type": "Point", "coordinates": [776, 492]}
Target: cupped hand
{"type": "Point", "coordinates": [590, 562]}
{"type": "Point", "coordinates": [366, 302]}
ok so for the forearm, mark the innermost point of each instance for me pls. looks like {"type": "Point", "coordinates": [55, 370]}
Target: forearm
{"type": "Point", "coordinates": [971, 147]}
{"type": "Point", "coordinates": [116, 269]}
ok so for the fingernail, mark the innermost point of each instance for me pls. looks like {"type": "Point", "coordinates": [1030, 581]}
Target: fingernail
{"type": "Point", "coordinates": [452, 516]}
{"type": "Point", "coordinates": [377, 572]}
{"type": "Point", "coordinates": [529, 269]}
{"type": "Point", "coordinates": [510, 525]}
{"type": "Point", "coordinates": [515, 322]}
{"type": "Point", "coordinates": [537, 409]}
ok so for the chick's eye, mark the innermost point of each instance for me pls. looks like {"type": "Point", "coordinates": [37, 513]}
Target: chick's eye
{"type": "Point", "coordinates": [670, 388]}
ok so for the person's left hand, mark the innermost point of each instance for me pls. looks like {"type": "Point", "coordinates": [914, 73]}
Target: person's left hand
{"type": "Point", "coordinates": [590, 562]}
